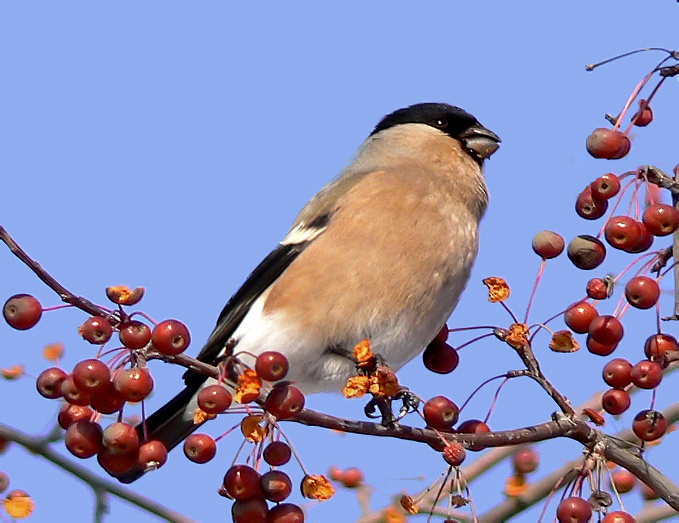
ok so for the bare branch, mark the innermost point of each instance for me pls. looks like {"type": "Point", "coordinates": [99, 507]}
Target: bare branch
{"type": "Point", "coordinates": [38, 446]}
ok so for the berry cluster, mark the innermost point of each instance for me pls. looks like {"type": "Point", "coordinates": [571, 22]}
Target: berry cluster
{"type": "Point", "coordinates": [95, 388]}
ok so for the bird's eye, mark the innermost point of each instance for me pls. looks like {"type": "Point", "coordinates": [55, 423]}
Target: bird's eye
{"type": "Point", "coordinates": [442, 124]}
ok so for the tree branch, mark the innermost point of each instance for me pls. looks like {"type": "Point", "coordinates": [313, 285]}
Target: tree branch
{"type": "Point", "coordinates": [38, 446]}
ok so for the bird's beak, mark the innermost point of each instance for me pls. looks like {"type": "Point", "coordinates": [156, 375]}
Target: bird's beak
{"type": "Point", "coordinates": [480, 142]}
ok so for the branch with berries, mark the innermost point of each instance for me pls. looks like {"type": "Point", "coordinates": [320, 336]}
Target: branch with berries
{"type": "Point", "coordinates": [253, 387]}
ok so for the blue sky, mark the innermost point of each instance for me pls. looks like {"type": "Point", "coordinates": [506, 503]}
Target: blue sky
{"type": "Point", "coordinates": [170, 145]}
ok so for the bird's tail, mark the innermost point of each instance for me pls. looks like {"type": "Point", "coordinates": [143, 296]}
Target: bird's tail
{"type": "Point", "coordinates": [169, 425]}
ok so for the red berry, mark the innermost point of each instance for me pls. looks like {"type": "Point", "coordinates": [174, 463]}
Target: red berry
{"type": "Point", "coordinates": [200, 448]}
{"type": "Point", "coordinates": [73, 394]}
{"type": "Point", "coordinates": [134, 384]}
{"type": "Point", "coordinates": [285, 513]}
{"type": "Point", "coordinates": [96, 330]}
{"type": "Point", "coordinates": [547, 245]}
{"type": "Point", "coordinates": [586, 252]}
{"type": "Point", "coordinates": [615, 401]}
{"type": "Point", "coordinates": [605, 187]}
{"type": "Point", "coordinates": [608, 144]}
{"type": "Point", "coordinates": [646, 374]}
{"type": "Point", "coordinates": [622, 232]}
{"type": "Point", "coordinates": [525, 460]}
{"type": "Point", "coordinates": [617, 373]}
{"type": "Point", "coordinates": [588, 207]}
{"type": "Point", "coordinates": [454, 454]}
{"type": "Point", "coordinates": [606, 329]}
{"type": "Point", "coordinates": [579, 316]}
{"type": "Point", "coordinates": [440, 413]}
{"type": "Point", "coordinates": [600, 349]}
{"type": "Point", "coordinates": [649, 425]}
{"type": "Point", "coordinates": [648, 493]}
{"type": "Point", "coordinates": [284, 402]}
{"type": "Point", "coordinates": [83, 439]}
{"type": "Point", "coordinates": [442, 336]}
{"type": "Point", "coordinates": [352, 477]}
{"type": "Point", "coordinates": [170, 337]}
{"type": "Point", "coordinates": [618, 516]}
{"type": "Point", "coordinates": [253, 510]}
{"type": "Point", "coordinates": [574, 510]}
{"type": "Point", "coordinates": [121, 438]}
{"type": "Point", "coordinates": [661, 219]}
{"type": "Point", "coordinates": [276, 485]}
{"type": "Point", "coordinates": [91, 376]}
{"type": "Point", "coordinates": [644, 115]}
{"type": "Point", "coordinates": [214, 399]}
{"type": "Point", "coordinates": [597, 289]}
{"type": "Point", "coordinates": [271, 366]}
{"type": "Point", "coordinates": [49, 382]}
{"type": "Point", "coordinates": [473, 426]}
{"type": "Point", "coordinates": [70, 414]}
{"type": "Point", "coordinates": [624, 480]}
{"type": "Point", "coordinates": [107, 401]}
{"type": "Point", "coordinates": [242, 483]}
{"type": "Point", "coordinates": [335, 473]}
{"type": "Point", "coordinates": [277, 453]}
{"type": "Point", "coordinates": [152, 455]}
{"type": "Point", "coordinates": [440, 357]}
{"type": "Point", "coordinates": [116, 463]}
{"type": "Point", "coordinates": [645, 241]}
{"type": "Point", "coordinates": [658, 345]}
{"type": "Point", "coordinates": [135, 334]}
{"type": "Point", "coordinates": [22, 311]}
{"type": "Point", "coordinates": [642, 292]}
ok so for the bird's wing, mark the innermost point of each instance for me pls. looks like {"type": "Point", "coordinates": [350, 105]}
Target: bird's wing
{"type": "Point", "coordinates": [259, 280]}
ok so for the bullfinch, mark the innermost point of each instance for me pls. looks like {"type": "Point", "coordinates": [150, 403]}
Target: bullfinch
{"type": "Point", "coordinates": [382, 252]}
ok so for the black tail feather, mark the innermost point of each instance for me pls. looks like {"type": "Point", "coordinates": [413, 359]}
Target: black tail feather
{"type": "Point", "coordinates": [167, 426]}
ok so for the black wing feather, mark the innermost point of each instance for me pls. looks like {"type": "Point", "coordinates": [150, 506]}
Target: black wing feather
{"type": "Point", "coordinates": [237, 307]}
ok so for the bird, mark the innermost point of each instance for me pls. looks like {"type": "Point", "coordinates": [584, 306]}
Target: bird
{"type": "Point", "coordinates": [382, 252]}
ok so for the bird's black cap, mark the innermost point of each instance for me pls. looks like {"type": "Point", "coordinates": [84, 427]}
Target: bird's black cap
{"type": "Point", "coordinates": [449, 119]}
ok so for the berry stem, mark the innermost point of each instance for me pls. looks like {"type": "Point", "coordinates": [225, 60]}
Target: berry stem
{"type": "Point", "coordinates": [636, 92]}
{"type": "Point", "coordinates": [591, 67]}
{"type": "Point", "coordinates": [648, 102]}
{"type": "Point", "coordinates": [475, 340]}
{"type": "Point", "coordinates": [495, 398]}
{"type": "Point", "coordinates": [477, 389]}
{"type": "Point", "coordinates": [541, 270]}
{"type": "Point", "coordinates": [632, 97]}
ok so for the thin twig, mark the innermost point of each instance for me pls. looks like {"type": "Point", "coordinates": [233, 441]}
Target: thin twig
{"type": "Point", "coordinates": [37, 445]}
{"type": "Point", "coordinates": [67, 296]}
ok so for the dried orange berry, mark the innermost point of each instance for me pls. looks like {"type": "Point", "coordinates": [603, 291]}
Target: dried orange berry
{"type": "Point", "coordinates": [53, 351]}
{"type": "Point", "coordinates": [356, 387]}
{"type": "Point", "coordinates": [362, 351]}
{"type": "Point", "coordinates": [123, 295]}
{"type": "Point", "coordinates": [12, 373]}
{"type": "Point", "coordinates": [384, 382]}
{"type": "Point", "coordinates": [518, 335]}
{"type": "Point", "coordinates": [408, 503]}
{"type": "Point", "coordinates": [200, 416]}
{"type": "Point", "coordinates": [515, 485]}
{"type": "Point", "coordinates": [317, 486]}
{"type": "Point", "coordinates": [249, 385]}
{"type": "Point", "coordinates": [252, 428]}
{"type": "Point", "coordinates": [498, 290]}
{"type": "Point", "coordinates": [392, 515]}
{"type": "Point", "coordinates": [563, 341]}
{"type": "Point", "coordinates": [18, 504]}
